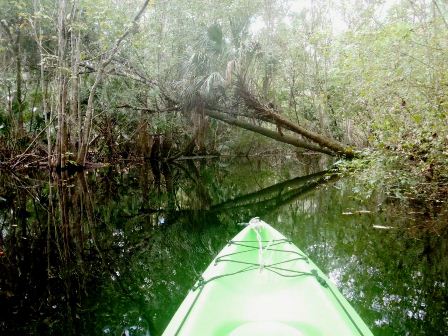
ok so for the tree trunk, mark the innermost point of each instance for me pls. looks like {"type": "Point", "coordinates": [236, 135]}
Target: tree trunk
{"type": "Point", "coordinates": [38, 35]}
{"type": "Point", "coordinates": [143, 136]}
{"type": "Point", "coordinates": [200, 128]}
{"type": "Point", "coordinates": [15, 47]}
{"type": "Point", "coordinates": [75, 113]}
{"type": "Point", "coordinates": [61, 140]}
{"type": "Point", "coordinates": [267, 132]}
{"type": "Point", "coordinates": [266, 113]}
{"type": "Point", "coordinates": [19, 101]}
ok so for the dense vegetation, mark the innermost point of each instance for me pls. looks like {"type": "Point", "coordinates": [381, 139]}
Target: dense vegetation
{"type": "Point", "coordinates": [100, 81]}
{"type": "Point", "coordinates": [146, 83]}
{"type": "Point", "coordinates": [110, 79]}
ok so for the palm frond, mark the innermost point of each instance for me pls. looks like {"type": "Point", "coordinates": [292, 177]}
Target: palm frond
{"type": "Point", "coordinates": [211, 82]}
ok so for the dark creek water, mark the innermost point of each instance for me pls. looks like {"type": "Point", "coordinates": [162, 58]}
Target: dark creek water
{"type": "Point", "coordinates": [114, 251]}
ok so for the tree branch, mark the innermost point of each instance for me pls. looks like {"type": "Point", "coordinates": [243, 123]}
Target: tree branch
{"type": "Point", "coordinates": [147, 109]}
{"type": "Point", "coordinates": [99, 76]}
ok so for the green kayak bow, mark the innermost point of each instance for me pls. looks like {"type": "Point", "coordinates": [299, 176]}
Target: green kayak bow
{"type": "Point", "coordinates": [262, 284]}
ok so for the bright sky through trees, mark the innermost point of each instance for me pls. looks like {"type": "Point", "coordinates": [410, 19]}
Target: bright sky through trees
{"type": "Point", "coordinates": [334, 13]}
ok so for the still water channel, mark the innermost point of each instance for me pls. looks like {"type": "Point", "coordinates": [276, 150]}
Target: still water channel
{"type": "Point", "coordinates": [114, 251]}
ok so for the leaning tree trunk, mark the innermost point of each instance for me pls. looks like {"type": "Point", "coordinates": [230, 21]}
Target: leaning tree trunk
{"type": "Point", "coordinates": [267, 113]}
{"type": "Point", "coordinates": [285, 138]}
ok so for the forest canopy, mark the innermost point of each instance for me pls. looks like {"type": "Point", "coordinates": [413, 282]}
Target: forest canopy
{"type": "Point", "coordinates": [105, 80]}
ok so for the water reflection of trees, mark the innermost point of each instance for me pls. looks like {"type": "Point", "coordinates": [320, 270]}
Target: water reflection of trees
{"type": "Point", "coordinates": [62, 235]}
{"type": "Point", "coordinates": [395, 278]}
{"type": "Point", "coordinates": [119, 248]}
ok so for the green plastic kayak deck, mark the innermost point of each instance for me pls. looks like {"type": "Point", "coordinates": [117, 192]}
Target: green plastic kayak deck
{"type": "Point", "coordinates": [262, 284]}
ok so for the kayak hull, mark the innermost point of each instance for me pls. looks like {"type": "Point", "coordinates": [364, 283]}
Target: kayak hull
{"type": "Point", "coordinates": [262, 284]}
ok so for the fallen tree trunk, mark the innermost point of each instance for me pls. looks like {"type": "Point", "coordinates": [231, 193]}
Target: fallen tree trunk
{"type": "Point", "coordinates": [266, 113]}
{"type": "Point", "coordinates": [321, 143]}
{"type": "Point", "coordinates": [267, 132]}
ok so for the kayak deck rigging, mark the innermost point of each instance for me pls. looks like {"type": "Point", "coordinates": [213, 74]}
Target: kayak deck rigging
{"type": "Point", "coordinates": [260, 266]}
{"type": "Point", "coordinates": [272, 287]}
